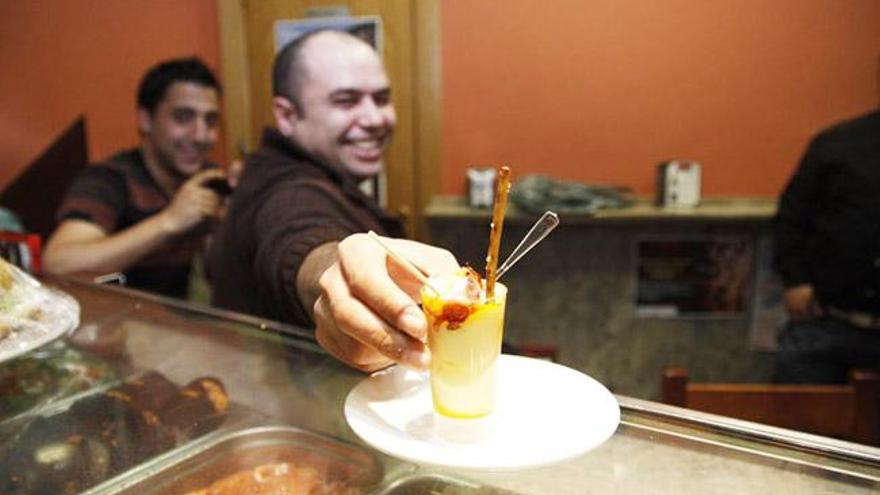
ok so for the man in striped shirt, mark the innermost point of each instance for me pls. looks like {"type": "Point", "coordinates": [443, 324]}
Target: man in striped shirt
{"type": "Point", "coordinates": [145, 211]}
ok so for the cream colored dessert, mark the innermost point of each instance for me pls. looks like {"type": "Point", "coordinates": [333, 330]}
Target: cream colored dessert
{"type": "Point", "coordinates": [465, 342]}
{"type": "Point", "coordinates": [27, 308]}
{"type": "Point", "coordinates": [19, 298]}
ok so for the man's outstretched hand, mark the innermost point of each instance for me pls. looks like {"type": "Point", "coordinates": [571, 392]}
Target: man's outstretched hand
{"type": "Point", "coordinates": [367, 314]}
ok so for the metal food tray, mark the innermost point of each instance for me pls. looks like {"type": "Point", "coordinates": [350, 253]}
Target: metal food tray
{"type": "Point", "coordinates": [52, 407]}
{"type": "Point", "coordinates": [61, 404]}
{"type": "Point", "coordinates": [238, 416]}
{"type": "Point", "coordinates": [438, 484]}
{"type": "Point", "coordinates": [200, 463]}
{"type": "Point", "coordinates": [60, 400]}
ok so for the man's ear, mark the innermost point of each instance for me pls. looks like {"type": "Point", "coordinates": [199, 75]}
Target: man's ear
{"type": "Point", "coordinates": [285, 115]}
{"type": "Point", "coordinates": [144, 121]}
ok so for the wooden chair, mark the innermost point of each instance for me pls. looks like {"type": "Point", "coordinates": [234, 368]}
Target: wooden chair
{"type": "Point", "coordinates": [547, 352]}
{"type": "Point", "coordinates": [850, 412]}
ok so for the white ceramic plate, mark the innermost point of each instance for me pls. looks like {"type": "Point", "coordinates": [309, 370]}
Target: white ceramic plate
{"type": "Point", "coordinates": [544, 413]}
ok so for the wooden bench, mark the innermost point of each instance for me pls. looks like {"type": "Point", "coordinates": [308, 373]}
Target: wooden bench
{"type": "Point", "coordinates": [850, 412]}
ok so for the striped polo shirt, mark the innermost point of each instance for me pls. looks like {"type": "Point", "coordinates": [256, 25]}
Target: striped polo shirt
{"type": "Point", "coordinates": [120, 193]}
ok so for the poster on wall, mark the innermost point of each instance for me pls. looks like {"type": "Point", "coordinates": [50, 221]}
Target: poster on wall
{"type": "Point", "coordinates": [368, 28]}
{"type": "Point", "coordinates": [694, 277]}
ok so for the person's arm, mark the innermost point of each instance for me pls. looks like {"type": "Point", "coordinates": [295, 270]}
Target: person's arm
{"type": "Point", "coordinates": [82, 246]}
{"type": "Point", "coordinates": [316, 271]}
{"type": "Point", "coordinates": [365, 305]}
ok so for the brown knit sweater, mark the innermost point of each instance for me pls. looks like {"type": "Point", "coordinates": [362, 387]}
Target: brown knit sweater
{"type": "Point", "coordinates": [286, 204]}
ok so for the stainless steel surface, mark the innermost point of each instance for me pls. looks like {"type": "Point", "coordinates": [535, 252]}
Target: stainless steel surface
{"type": "Point", "coordinates": [438, 484]}
{"type": "Point", "coordinates": [50, 408]}
{"type": "Point", "coordinates": [280, 377]}
{"type": "Point", "coordinates": [754, 431]}
{"type": "Point", "coordinates": [210, 460]}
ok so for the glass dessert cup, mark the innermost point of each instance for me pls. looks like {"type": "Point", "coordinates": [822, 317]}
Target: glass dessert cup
{"type": "Point", "coordinates": [465, 342]}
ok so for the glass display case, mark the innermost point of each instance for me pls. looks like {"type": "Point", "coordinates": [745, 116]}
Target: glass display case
{"type": "Point", "coordinates": [155, 396]}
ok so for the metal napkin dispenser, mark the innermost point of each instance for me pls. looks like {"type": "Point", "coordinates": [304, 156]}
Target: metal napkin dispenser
{"type": "Point", "coordinates": [481, 187]}
{"type": "Point", "coordinates": [678, 184]}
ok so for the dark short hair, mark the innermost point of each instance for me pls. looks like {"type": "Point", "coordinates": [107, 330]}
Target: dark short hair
{"type": "Point", "coordinates": [160, 77]}
{"type": "Point", "coordinates": [288, 71]}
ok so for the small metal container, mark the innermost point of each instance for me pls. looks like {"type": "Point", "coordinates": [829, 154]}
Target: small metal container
{"type": "Point", "coordinates": [197, 467]}
{"type": "Point", "coordinates": [436, 484]}
{"type": "Point", "coordinates": [481, 187]}
{"type": "Point", "coordinates": [678, 184]}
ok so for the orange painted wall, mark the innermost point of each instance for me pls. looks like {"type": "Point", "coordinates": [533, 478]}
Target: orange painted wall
{"type": "Point", "coordinates": [602, 90]}
{"type": "Point", "coordinates": [63, 58]}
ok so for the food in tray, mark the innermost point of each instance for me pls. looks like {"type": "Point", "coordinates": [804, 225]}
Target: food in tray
{"type": "Point", "coordinates": [59, 372]}
{"type": "Point", "coordinates": [5, 276]}
{"type": "Point", "coordinates": [5, 286]}
{"type": "Point", "coordinates": [464, 336]}
{"type": "Point", "coordinates": [149, 391]}
{"type": "Point", "coordinates": [196, 409]}
{"type": "Point", "coordinates": [283, 478]}
{"type": "Point", "coordinates": [30, 314]}
{"type": "Point", "coordinates": [17, 294]}
{"type": "Point", "coordinates": [105, 433]}
{"type": "Point", "coordinates": [263, 460]}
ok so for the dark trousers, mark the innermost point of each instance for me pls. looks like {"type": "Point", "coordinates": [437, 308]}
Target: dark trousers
{"type": "Point", "coordinates": [824, 350]}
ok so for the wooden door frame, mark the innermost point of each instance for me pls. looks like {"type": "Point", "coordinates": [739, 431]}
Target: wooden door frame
{"type": "Point", "coordinates": [429, 76]}
{"type": "Point", "coordinates": [235, 77]}
{"type": "Point", "coordinates": [426, 81]}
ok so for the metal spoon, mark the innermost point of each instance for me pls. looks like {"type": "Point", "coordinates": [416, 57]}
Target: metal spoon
{"type": "Point", "coordinates": [536, 234]}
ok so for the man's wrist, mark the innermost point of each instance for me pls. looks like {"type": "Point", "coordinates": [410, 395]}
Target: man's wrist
{"type": "Point", "coordinates": [316, 262]}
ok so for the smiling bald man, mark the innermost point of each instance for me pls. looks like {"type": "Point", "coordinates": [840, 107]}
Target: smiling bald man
{"type": "Point", "coordinates": [293, 248]}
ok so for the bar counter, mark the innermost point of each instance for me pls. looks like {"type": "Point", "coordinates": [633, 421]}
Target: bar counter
{"type": "Point", "coordinates": [641, 210]}
{"type": "Point", "coordinates": [586, 273]}
{"type": "Point", "coordinates": [279, 381]}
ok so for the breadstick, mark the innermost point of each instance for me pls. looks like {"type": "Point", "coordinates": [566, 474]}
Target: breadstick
{"type": "Point", "coordinates": [501, 190]}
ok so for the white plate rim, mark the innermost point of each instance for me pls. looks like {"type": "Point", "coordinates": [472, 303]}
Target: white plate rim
{"type": "Point", "coordinates": [393, 441]}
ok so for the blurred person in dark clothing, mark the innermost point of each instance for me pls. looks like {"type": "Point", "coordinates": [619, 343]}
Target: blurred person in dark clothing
{"type": "Point", "coordinates": [145, 211]}
{"type": "Point", "coordinates": [827, 238]}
